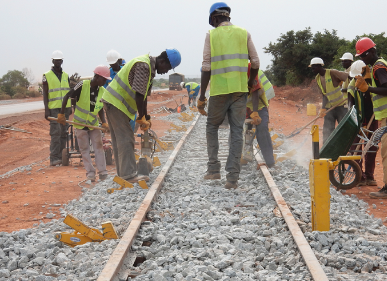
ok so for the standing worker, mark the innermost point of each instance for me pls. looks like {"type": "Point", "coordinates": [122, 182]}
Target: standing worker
{"type": "Point", "coordinates": [359, 68]}
{"type": "Point", "coordinates": [257, 109]}
{"type": "Point", "coordinates": [328, 81]}
{"type": "Point", "coordinates": [87, 95]}
{"type": "Point", "coordinates": [365, 48]}
{"type": "Point", "coordinates": [226, 55]}
{"type": "Point", "coordinates": [56, 84]}
{"type": "Point", "coordinates": [346, 62]}
{"type": "Point", "coordinates": [126, 95]}
{"type": "Point", "coordinates": [193, 91]}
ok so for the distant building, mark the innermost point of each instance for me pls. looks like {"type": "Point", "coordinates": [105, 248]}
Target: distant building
{"type": "Point", "coordinates": [174, 81]}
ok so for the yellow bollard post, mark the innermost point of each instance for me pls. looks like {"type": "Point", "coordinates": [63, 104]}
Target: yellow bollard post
{"type": "Point", "coordinates": [319, 186]}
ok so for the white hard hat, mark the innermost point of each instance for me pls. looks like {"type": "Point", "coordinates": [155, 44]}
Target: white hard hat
{"type": "Point", "coordinates": [347, 56]}
{"type": "Point", "coordinates": [57, 55]}
{"type": "Point", "coordinates": [182, 84]}
{"type": "Point", "coordinates": [112, 56]}
{"type": "Point", "coordinates": [316, 61]}
{"type": "Point", "coordinates": [356, 68]}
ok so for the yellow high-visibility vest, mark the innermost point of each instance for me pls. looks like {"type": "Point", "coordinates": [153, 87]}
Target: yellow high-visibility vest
{"type": "Point", "coordinates": [379, 102]}
{"type": "Point", "coordinates": [334, 94]}
{"type": "Point", "coordinates": [57, 89]}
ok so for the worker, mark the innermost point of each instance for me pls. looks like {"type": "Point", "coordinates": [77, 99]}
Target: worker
{"type": "Point", "coordinates": [112, 59]}
{"type": "Point", "coordinates": [87, 94]}
{"type": "Point", "coordinates": [40, 90]}
{"type": "Point", "coordinates": [359, 68]}
{"type": "Point", "coordinates": [366, 50]}
{"type": "Point", "coordinates": [193, 91]}
{"type": "Point", "coordinates": [56, 84]}
{"type": "Point", "coordinates": [257, 109]}
{"type": "Point", "coordinates": [226, 65]}
{"type": "Point", "coordinates": [346, 62]}
{"type": "Point", "coordinates": [126, 95]}
{"type": "Point", "coordinates": [328, 81]}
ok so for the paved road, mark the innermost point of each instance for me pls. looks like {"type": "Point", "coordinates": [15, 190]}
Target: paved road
{"type": "Point", "coordinates": [18, 108]}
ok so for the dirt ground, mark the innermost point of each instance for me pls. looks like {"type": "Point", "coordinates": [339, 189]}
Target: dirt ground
{"type": "Point", "coordinates": [28, 196]}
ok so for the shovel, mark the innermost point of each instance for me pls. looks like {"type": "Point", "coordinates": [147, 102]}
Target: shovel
{"type": "Point", "coordinates": [76, 123]}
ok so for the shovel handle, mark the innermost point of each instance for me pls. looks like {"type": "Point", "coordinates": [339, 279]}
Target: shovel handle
{"type": "Point", "coordinates": [76, 123]}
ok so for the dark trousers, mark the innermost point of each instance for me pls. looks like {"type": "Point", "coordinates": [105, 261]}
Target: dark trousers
{"type": "Point", "coordinates": [58, 134]}
{"type": "Point", "coordinates": [234, 105]}
{"type": "Point", "coordinates": [330, 119]}
{"type": "Point", "coordinates": [263, 137]}
{"type": "Point", "coordinates": [369, 158]}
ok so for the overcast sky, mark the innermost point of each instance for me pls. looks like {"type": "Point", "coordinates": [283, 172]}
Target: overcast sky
{"type": "Point", "coordinates": [85, 30]}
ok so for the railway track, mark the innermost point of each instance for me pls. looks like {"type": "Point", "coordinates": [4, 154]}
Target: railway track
{"type": "Point", "coordinates": [187, 228]}
{"type": "Point", "coordinates": [199, 223]}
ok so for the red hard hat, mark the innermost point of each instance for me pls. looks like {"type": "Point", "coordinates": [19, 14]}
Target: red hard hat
{"type": "Point", "coordinates": [364, 44]}
{"type": "Point", "coordinates": [103, 71]}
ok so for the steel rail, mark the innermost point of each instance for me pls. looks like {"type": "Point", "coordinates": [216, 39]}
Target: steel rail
{"type": "Point", "coordinates": [309, 257]}
{"type": "Point", "coordinates": [116, 259]}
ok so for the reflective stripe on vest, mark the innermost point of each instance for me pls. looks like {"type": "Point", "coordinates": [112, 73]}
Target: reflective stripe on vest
{"type": "Point", "coordinates": [229, 60]}
{"type": "Point", "coordinates": [82, 112]}
{"type": "Point", "coordinates": [119, 92]}
{"type": "Point", "coordinates": [333, 94]}
{"type": "Point", "coordinates": [379, 101]}
{"type": "Point", "coordinates": [57, 89]}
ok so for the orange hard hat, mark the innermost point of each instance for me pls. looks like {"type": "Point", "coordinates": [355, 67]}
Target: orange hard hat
{"type": "Point", "coordinates": [364, 44]}
{"type": "Point", "coordinates": [103, 70]}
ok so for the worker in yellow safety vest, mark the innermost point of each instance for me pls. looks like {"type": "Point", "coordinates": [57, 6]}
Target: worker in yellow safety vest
{"type": "Point", "coordinates": [226, 56]}
{"type": "Point", "coordinates": [193, 91]}
{"type": "Point", "coordinates": [126, 95]}
{"type": "Point", "coordinates": [366, 50]}
{"type": "Point", "coordinates": [87, 96]}
{"type": "Point", "coordinates": [56, 84]}
{"type": "Point", "coordinates": [328, 81]}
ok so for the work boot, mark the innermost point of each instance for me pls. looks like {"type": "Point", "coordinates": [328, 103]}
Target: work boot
{"type": "Point", "coordinates": [372, 182]}
{"type": "Point", "coordinates": [363, 182]}
{"type": "Point", "coordinates": [381, 194]}
{"type": "Point", "coordinates": [231, 185]}
{"type": "Point", "coordinates": [103, 177]}
{"type": "Point", "coordinates": [92, 179]}
{"type": "Point", "coordinates": [137, 178]}
{"type": "Point", "coordinates": [56, 162]}
{"type": "Point", "coordinates": [212, 176]}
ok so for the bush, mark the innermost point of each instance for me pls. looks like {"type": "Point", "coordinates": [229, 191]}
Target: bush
{"type": "Point", "coordinates": [33, 94]}
{"type": "Point", "coordinates": [19, 96]}
{"type": "Point", "coordinates": [5, 97]}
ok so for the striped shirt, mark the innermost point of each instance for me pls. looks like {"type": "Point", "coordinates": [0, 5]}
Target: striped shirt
{"type": "Point", "coordinates": [139, 76]}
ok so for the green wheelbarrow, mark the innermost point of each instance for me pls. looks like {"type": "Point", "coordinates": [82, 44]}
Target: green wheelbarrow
{"type": "Point", "coordinates": [347, 173]}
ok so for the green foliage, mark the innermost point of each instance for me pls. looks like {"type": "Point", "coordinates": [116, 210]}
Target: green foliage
{"type": "Point", "coordinates": [11, 80]}
{"type": "Point", "coordinates": [4, 96]}
{"type": "Point", "coordinates": [33, 94]}
{"type": "Point", "coordinates": [19, 96]}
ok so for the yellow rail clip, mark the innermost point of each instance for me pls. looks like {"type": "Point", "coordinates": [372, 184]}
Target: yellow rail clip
{"type": "Point", "coordinates": [123, 184]}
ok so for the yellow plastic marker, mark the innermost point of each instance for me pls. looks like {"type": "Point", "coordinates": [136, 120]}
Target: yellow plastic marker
{"type": "Point", "coordinates": [143, 184]}
{"type": "Point", "coordinates": [156, 161]}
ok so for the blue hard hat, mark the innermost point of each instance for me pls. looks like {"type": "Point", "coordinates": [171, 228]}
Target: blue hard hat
{"type": "Point", "coordinates": [216, 6]}
{"type": "Point", "coordinates": [174, 57]}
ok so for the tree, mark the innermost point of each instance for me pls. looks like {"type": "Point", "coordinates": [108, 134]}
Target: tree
{"type": "Point", "coordinates": [293, 51]}
{"type": "Point", "coordinates": [29, 75]}
{"type": "Point", "coordinates": [12, 79]}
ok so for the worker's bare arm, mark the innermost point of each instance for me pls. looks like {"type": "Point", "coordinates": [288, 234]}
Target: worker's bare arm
{"type": "Point", "coordinates": [101, 115]}
{"type": "Point", "coordinates": [382, 90]}
{"type": "Point", "coordinates": [255, 99]}
{"type": "Point", "coordinates": [45, 101]}
{"type": "Point", "coordinates": [205, 79]}
{"type": "Point", "coordinates": [253, 74]}
{"type": "Point", "coordinates": [140, 105]}
{"type": "Point", "coordinates": [65, 99]}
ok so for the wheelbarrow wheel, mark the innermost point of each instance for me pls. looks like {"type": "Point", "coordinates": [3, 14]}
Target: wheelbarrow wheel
{"type": "Point", "coordinates": [346, 175]}
{"type": "Point", "coordinates": [65, 157]}
{"type": "Point", "coordinates": [109, 156]}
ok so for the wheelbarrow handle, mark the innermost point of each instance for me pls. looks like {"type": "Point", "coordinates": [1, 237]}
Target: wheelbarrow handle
{"type": "Point", "coordinates": [76, 123]}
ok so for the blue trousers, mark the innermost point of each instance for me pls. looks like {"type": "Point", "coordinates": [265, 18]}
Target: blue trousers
{"type": "Point", "coordinates": [263, 137]}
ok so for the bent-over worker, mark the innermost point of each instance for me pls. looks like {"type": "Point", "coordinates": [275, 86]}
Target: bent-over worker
{"type": "Point", "coordinates": [88, 94]}
{"type": "Point", "coordinates": [56, 84]}
{"type": "Point", "coordinates": [193, 91]}
{"type": "Point", "coordinates": [126, 95]}
{"type": "Point", "coordinates": [329, 81]}
{"type": "Point", "coordinates": [226, 55]}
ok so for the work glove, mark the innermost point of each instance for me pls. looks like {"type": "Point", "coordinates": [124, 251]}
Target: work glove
{"type": "Point", "coordinates": [322, 113]}
{"type": "Point", "coordinates": [148, 119]}
{"type": "Point", "coordinates": [201, 105]}
{"type": "Point", "coordinates": [256, 119]}
{"type": "Point", "coordinates": [144, 125]}
{"type": "Point", "coordinates": [361, 84]}
{"type": "Point", "coordinates": [105, 126]}
{"type": "Point", "coordinates": [61, 119]}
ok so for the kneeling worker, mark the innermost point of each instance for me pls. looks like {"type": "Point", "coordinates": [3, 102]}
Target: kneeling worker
{"type": "Point", "coordinates": [193, 91]}
{"type": "Point", "coordinates": [126, 95]}
{"type": "Point", "coordinates": [88, 94]}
